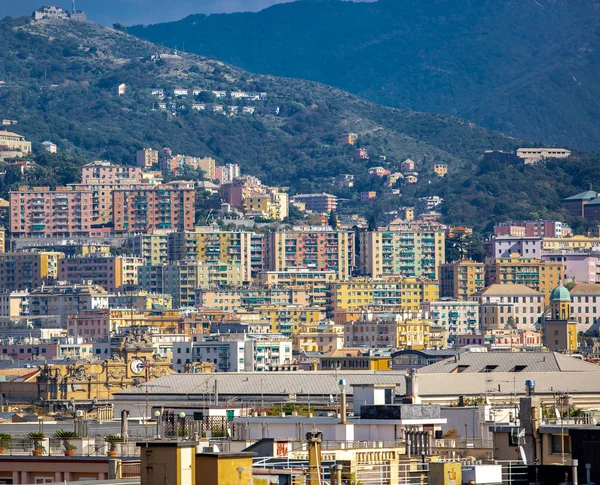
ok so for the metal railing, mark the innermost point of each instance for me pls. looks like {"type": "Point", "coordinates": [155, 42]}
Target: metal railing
{"type": "Point", "coordinates": [129, 469]}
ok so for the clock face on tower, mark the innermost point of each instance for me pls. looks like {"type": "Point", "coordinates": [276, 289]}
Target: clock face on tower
{"type": "Point", "coordinates": [137, 366]}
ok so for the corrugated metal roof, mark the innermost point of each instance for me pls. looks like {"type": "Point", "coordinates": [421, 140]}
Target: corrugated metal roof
{"type": "Point", "coordinates": [253, 383]}
{"type": "Point", "coordinates": [490, 362]}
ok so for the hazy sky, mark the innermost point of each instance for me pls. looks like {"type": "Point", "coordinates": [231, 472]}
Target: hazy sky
{"type": "Point", "coordinates": [131, 12]}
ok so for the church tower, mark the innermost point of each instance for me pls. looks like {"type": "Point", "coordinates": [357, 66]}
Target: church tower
{"type": "Point", "coordinates": [559, 329]}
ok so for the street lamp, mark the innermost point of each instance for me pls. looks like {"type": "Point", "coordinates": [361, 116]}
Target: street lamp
{"type": "Point", "coordinates": [182, 417]}
{"type": "Point", "coordinates": [157, 416]}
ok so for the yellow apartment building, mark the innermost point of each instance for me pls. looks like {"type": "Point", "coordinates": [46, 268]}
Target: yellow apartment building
{"type": "Point", "coordinates": [401, 294]}
{"type": "Point", "coordinates": [573, 242]}
{"type": "Point", "coordinates": [542, 276]}
{"type": "Point", "coordinates": [324, 337]}
{"type": "Point", "coordinates": [288, 320]}
{"type": "Point", "coordinates": [26, 270]}
{"type": "Point", "coordinates": [462, 279]}
{"type": "Point", "coordinates": [377, 330]}
{"type": "Point", "coordinates": [440, 169]}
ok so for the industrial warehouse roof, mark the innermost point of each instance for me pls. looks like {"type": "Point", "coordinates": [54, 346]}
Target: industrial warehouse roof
{"type": "Point", "coordinates": [255, 383]}
{"type": "Point", "coordinates": [492, 362]}
{"type": "Point", "coordinates": [547, 369]}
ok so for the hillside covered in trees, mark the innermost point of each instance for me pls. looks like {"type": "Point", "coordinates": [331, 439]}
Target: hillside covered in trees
{"type": "Point", "coordinates": [526, 68]}
{"type": "Point", "coordinates": [59, 79]}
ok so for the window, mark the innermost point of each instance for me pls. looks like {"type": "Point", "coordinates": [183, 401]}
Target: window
{"type": "Point", "coordinates": [558, 441]}
{"type": "Point", "coordinates": [489, 368]}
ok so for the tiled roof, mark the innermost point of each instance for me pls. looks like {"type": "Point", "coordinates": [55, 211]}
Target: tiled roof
{"type": "Point", "coordinates": [585, 289]}
{"type": "Point", "coordinates": [509, 290]}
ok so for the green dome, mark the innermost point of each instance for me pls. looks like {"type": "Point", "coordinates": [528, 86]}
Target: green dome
{"type": "Point", "coordinates": [560, 293]}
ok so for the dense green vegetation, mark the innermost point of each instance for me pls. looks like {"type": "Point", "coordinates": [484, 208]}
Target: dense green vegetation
{"type": "Point", "coordinates": [58, 79]}
{"type": "Point", "coordinates": [526, 68]}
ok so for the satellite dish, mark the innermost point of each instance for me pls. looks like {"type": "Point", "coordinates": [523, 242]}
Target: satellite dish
{"type": "Point", "coordinates": [523, 456]}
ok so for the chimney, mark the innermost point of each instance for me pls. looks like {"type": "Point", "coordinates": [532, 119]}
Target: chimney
{"type": "Point", "coordinates": [315, 439]}
{"type": "Point", "coordinates": [412, 387]}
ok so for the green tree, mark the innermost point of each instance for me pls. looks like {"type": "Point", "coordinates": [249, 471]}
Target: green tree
{"type": "Point", "coordinates": [333, 219]}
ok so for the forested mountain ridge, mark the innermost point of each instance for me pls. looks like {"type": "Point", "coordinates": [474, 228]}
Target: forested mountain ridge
{"type": "Point", "coordinates": [59, 79]}
{"type": "Point", "coordinates": [527, 68]}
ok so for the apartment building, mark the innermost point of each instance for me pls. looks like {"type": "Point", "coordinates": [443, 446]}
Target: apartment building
{"type": "Point", "coordinates": [314, 282]}
{"type": "Point", "coordinates": [227, 173]}
{"type": "Point", "coordinates": [403, 295]}
{"type": "Point", "coordinates": [209, 245]}
{"type": "Point", "coordinates": [176, 163]}
{"type": "Point", "coordinates": [503, 339]}
{"type": "Point", "coordinates": [146, 158]}
{"type": "Point", "coordinates": [289, 319]}
{"type": "Point", "coordinates": [503, 246]}
{"type": "Point", "coordinates": [579, 266]}
{"type": "Point", "coordinates": [152, 248]}
{"type": "Point", "coordinates": [542, 276]}
{"type": "Point", "coordinates": [102, 199]}
{"type": "Point", "coordinates": [238, 353]}
{"type": "Point", "coordinates": [16, 145]}
{"type": "Point", "coordinates": [323, 338]}
{"type": "Point", "coordinates": [454, 316]}
{"type": "Point", "coordinates": [509, 305]}
{"type": "Point", "coordinates": [440, 169]}
{"type": "Point", "coordinates": [26, 270]}
{"type": "Point", "coordinates": [257, 254]}
{"type": "Point", "coordinates": [41, 212]}
{"type": "Point", "coordinates": [321, 204]}
{"type": "Point", "coordinates": [140, 300]}
{"type": "Point", "coordinates": [411, 253]}
{"type": "Point", "coordinates": [34, 348]}
{"type": "Point", "coordinates": [461, 279]}
{"type": "Point", "coordinates": [114, 273]}
{"type": "Point", "coordinates": [582, 243]}
{"type": "Point", "coordinates": [181, 278]}
{"type": "Point", "coordinates": [318, 249]}
{"type": "Point", "coordinates": [585, 306]}
{"type": "Point", "coordinates": [169, 206]}
{"type": "Point", "coordinates": [533, 229]}
{"type": "Point", "coordinates": [385, 330]}
{"type": "Point", "coordinates": [14, 304]}
{"type": "Point", "coordinates": [575, 204]}
{"type": "Point", "coordinates": [269, 203]}
{"type": "Point", "coordinates": [101, 172]}
{"type": "Point", "coordinates": [63, 300]}
{"type": "Point", "coordinates": [250, 298]}
{"type": "Point", "coordinates": [533, 155]}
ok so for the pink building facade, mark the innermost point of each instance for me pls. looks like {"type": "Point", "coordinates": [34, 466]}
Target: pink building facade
{"type": "Point", "coordinates": [41, 212]}
{"type": "Point", "coordinates": [502, 340]}
{"type": "Point", "coordinates": [103, 172]}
